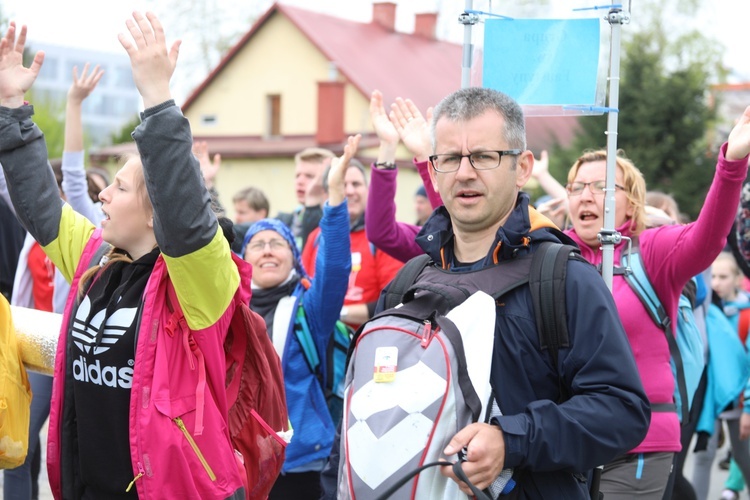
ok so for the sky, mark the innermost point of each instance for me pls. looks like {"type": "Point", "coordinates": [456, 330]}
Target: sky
{"type": "Point", "coordinates": [94, 24]}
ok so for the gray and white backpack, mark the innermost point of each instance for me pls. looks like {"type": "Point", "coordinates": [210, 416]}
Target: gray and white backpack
{"type": "Point", "coordinates": [419, 371]}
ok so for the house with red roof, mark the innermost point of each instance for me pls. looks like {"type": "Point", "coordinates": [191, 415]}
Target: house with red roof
{"type": "Point", "coordinates": [299, 79]}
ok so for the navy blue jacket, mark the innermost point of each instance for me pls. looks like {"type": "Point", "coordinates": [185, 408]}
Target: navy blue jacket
{"type": "Point", "coordinates": [552, 445]}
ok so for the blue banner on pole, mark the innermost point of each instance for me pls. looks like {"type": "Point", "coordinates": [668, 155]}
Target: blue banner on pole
{"type": "Point", "coordinates": [543, 62]}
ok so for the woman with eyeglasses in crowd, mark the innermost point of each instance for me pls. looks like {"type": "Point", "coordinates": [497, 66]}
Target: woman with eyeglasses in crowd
{"type": "Point", "coordinates": [671, 255]}
{"type": "Point", "coordinates": [281, 292]}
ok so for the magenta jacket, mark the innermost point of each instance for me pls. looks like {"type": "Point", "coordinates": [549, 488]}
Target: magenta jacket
{"type": "Point", "coordinates": [161, 454]}
{"type": "Point", "coordinates": [672, 255]}
{"type": "Point", "coordinates": [394, 238]}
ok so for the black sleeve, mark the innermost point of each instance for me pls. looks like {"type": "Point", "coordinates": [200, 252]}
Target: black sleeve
{"type": "Point", "coordinates": [183, 219]}
{"type": "Point", "coordinates": [310, 220]}
{"type": "Point", "coordinates": [11, 235]}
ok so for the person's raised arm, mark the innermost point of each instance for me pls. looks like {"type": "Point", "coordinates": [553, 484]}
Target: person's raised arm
{"type": "Point", "coordinates": [414, 131]}
{"type": "Point", "coordinates": [75, 183]}
{"type": "Point", "coordinates": [15, 79]}
{"type": "Point", "coordinates": [337, 172]}
{"type": "Point", "coordinates": [738, 144]}
{"type": "Point", "coordinates": [209, 167]}
{"type": "Point", "coordinates": [336, 196]}
{"type": "Point", "coordinates": [392, 237]}
{"type": "Point", "coordinates": [546, 181]}
{"type": "Point", "coordinates": [23, 154]}
{"type": "Point", "coordinates": [153, 66]}
{"type": "Point", "coordinates": [333, 261]}
{"type": "Point", "coordinates": [683, 255]}
{"type": "Point", "coordinates": [197, 255]}
{"type": "Point", "coordinates": [209, 170]}
{"type": "Point", "coordinates": [79, 90]}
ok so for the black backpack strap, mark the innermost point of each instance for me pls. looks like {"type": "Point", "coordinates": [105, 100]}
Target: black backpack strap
{"type": "Point", "coordinates": [547, 285]}
{"type": "Point", "coordinates": [405, 278]}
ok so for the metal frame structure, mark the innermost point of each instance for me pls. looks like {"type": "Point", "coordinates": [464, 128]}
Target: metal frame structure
{"type": "Point", "coordinates": [616, 17]}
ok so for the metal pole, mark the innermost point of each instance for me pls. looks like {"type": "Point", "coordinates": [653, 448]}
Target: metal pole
{"type": "Point", "coordinates": [468, 20]}
{"type": "Point", "coordinates": [609, 236]}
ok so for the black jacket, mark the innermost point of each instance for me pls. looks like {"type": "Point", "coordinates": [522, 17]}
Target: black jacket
{"type": "Point", "coordinates": [605, 413]}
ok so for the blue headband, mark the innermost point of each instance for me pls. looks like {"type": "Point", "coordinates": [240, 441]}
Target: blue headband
{"type": "Point", "coordinates": [284, 231]}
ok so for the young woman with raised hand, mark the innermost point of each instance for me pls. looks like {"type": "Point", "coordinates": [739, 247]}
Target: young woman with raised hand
{"type": "Point", "coordinates": [138, 404]}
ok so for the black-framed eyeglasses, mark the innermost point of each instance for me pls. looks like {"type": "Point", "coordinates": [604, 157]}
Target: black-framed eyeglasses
{"type": "Point", "coordinates": [480, 160]}
{"type": "Point", "coordinates": [596, 187]}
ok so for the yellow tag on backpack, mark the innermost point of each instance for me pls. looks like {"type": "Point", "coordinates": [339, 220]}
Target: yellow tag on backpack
{"type": "Point", "coordinates": [15, 395]}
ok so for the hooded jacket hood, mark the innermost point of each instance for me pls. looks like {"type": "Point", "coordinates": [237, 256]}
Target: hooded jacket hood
{"type": "Point", "coordinates": [524, 226]}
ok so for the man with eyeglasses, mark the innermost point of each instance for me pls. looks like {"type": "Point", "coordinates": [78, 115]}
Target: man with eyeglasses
{"type": "Point", "coordinates": [554, 423]}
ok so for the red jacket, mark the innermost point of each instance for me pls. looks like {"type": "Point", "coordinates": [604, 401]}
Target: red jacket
{"type": "Point", "coordinates": [372, 269]}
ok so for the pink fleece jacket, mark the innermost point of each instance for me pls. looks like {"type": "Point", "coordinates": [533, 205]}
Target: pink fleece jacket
{"type": "Point", "coordinates": [671, 255]}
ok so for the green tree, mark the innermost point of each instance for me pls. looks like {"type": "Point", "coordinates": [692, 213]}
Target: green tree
{"type": "Point", "coordinates": [664, 115]}
{"type": "Point", "coordinates": [49, 115]}
{"type": "Point", "coordinates": [123, 136]}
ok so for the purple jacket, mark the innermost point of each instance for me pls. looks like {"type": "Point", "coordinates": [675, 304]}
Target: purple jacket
{"type": "Point", "coordinates": [394, 238]}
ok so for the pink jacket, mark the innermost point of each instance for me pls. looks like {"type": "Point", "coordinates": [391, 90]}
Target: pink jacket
{"type": "Point", "coordinates": [165, 386]}
{"type": "Point", "coordinates": [671, 255]}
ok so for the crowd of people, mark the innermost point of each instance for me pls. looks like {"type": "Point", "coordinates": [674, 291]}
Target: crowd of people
{"type": "Point", "coordinates": [153, 431]}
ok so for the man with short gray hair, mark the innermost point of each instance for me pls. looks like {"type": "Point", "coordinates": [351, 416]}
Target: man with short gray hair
{"type": "Point", "coordinates": [558, 414]}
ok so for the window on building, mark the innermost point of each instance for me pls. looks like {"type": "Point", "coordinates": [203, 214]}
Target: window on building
{"type": "Point", "coordinates": [209, 120]}
{"type": "Point", "coordinates": [49, 69]}
{"type": "Point", "coordinates": [274, 115]}
{"type": "Point", "coordinates": [124, 77]}
{"type": "Point", "coordinates": [94, 104]}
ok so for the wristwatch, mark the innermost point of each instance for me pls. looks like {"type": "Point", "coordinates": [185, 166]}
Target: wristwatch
{"type": "Point", "coordinates": [385, 165]}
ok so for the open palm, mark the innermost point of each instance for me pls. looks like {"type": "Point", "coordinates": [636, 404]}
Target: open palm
{"type": "Point", "coordinates": [15, 80]}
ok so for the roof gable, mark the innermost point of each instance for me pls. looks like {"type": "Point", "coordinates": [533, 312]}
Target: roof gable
{"type": "Point", "coordinates": [368, 56]}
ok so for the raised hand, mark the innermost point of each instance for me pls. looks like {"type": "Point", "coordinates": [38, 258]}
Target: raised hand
{"type": "Point", "coordinates": [337, 173]}
{"type": "Point", "coordinates": [315, 194]}
{"type": "Point", "coordinates": [209, 168]}
{"type": "Point", "coordinates": [15, 80]}
{"type": "Point", "coordinates": [739, 138]}
{"type": "Point", "coordinates": [385, 130]}
{"type": "Point", "coordinates": [412, 127]}
{"type": "Point", "coordinates": [541, 166]}
{"type": "Point", "coordinates": [152, 65]}
{"type": "Point", "coordinates": [82, 86]}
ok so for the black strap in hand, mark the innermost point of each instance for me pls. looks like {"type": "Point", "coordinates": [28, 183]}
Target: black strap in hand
{"type": "Point", "coordinates": [457, 470]}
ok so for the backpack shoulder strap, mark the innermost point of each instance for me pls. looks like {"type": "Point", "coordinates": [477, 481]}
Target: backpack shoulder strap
{"type": "Point", "coordinates": [301, 329]}
{"type": "Point", "coordinates": [549, 268]}
{"type": "Point", "coordinates": [404, 279]}
{"type": "Point", "coordinates": [547, 284]}
{"type": "Point", "coordinates": [637, 278]}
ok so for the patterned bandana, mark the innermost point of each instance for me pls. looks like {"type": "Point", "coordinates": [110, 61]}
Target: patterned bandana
{"type": "Point", "coordinates": [284, 231]}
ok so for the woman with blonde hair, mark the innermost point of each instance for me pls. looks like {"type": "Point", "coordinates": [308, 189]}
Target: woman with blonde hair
{"type": "Point", "coordinates": [139, 406]}
{"type": "Point", "coordinates": [671, 255]}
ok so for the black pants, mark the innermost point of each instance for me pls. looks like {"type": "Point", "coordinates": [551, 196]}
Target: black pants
{"type": "Point", "coordinates": [296, 486]}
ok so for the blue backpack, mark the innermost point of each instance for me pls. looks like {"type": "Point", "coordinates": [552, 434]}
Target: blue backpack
{"type": "Point", "coordinates": [333, 377]}
{"type": "Point", "coordinates": [685, 346]}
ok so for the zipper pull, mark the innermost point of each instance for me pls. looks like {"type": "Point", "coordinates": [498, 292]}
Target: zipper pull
{"type": "Point", "coordinates": [426, 334]}
{"type": "Point", "coordinates": [141, 473]}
